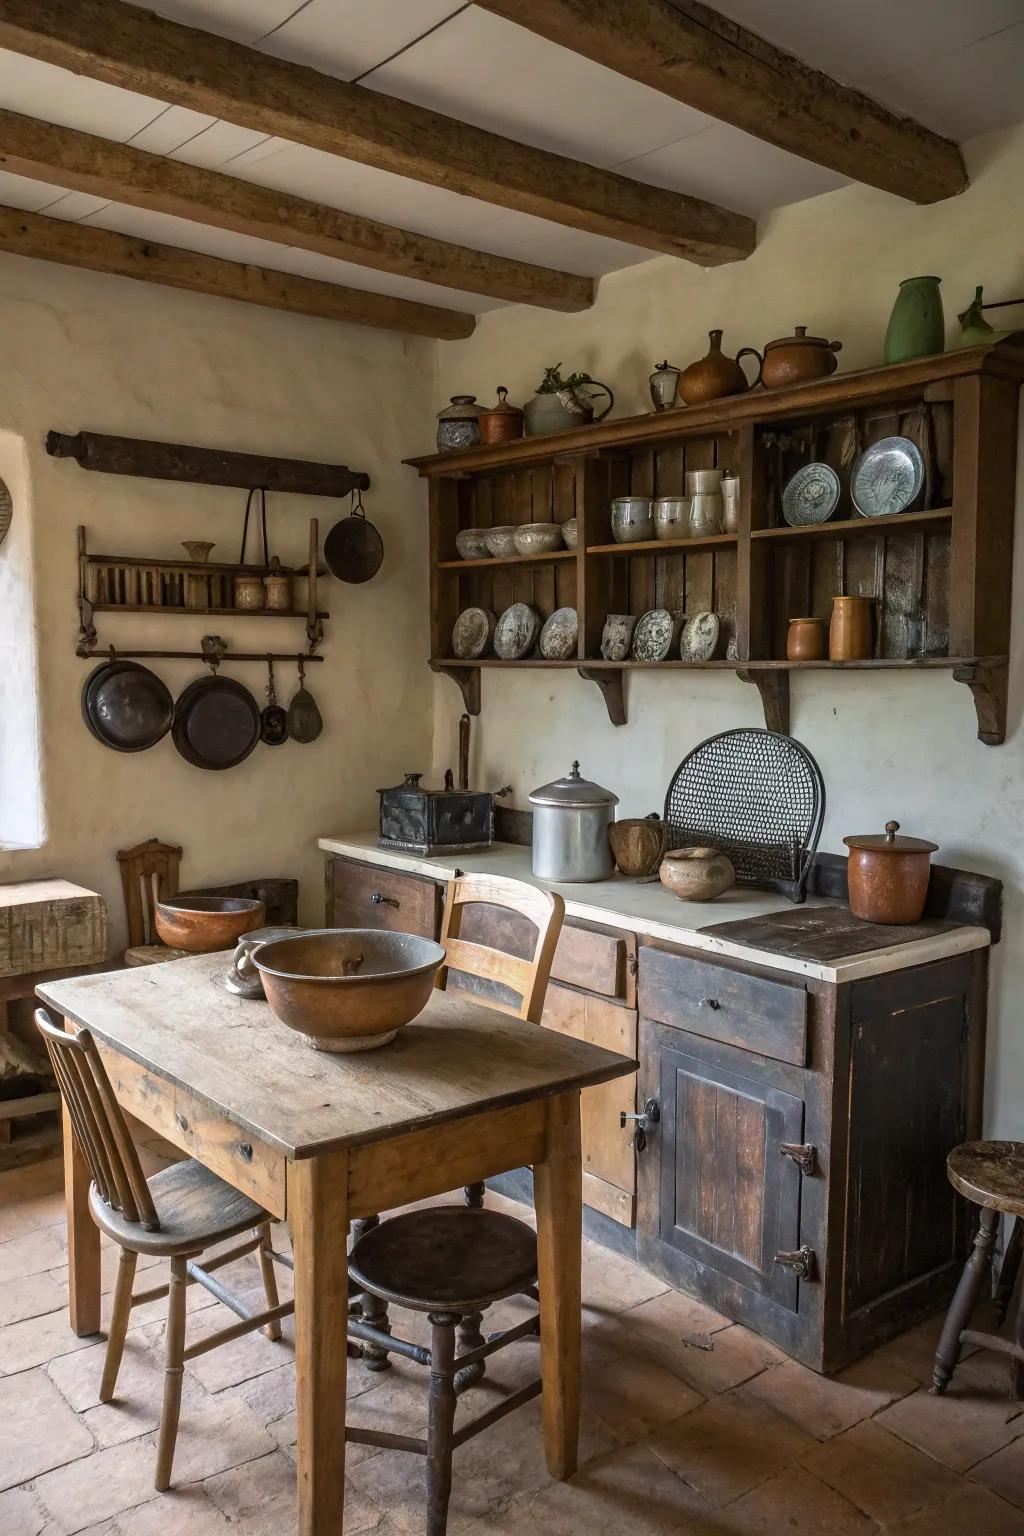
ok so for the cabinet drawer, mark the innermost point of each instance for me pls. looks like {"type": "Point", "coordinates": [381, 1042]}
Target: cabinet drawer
{"type": "Point", "coordinates": [755, 1013]}
{"type": "Point", "coordinates": [601, 960]}
{"type": "Point", "coordinates": [366, 896]}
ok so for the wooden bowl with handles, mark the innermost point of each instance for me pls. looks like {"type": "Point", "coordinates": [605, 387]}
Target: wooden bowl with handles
{"type": "Point", "coordinates": [638, 844]}
{"type": "Point", "coordinates": [202, 924]}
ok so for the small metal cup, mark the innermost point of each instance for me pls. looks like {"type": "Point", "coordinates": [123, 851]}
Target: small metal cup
{"type": "Point", "coordinates": [632, 519]}
{"type": "Point", "coordinates": [672, 517]}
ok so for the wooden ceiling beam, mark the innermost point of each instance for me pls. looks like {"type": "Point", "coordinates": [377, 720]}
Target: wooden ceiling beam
{"type": "Point", "coordinates": [139, 51]}
{"type": "Point", "coordinates": [103, 250]}
{"type": "Point", "coordinates": [690, 52]}
{"type": "Point", "coordinates": [84, 163]}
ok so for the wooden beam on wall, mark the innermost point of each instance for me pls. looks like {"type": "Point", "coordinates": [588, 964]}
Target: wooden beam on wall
{"type": "Point", "coordinates": [139, 51]}
{"type": "Point", "coordinates": [688, 51]}
{"type": "Point", "coordinates": [105, 168]}
{"type": "Point", "coordinates": [103, 250]}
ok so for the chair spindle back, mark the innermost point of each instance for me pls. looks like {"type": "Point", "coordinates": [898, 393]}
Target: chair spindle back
{"type": "Point", "coordinates": [528, 977]}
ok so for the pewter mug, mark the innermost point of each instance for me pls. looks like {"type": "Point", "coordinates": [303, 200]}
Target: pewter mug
{"type": "Point", "coordinates": [672, 517]}
{"type": "Point", "coordinates": [632, 519]}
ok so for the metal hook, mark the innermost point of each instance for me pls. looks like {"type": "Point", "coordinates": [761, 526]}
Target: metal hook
{"type": "Point", "coordinates": [357, 503]}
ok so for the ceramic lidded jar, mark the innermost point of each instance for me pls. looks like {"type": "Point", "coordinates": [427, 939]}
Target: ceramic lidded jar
{"type": "Point", "coordinates": [458, 425]}
{"type": "Point", "coordinates": [277, 585]}
{"type": "Point", "coordinates": [888, 875]}
{"type": "Point", "coordinates": [501, 423]}
{"type": "Point", "coordinates": [798, 359]}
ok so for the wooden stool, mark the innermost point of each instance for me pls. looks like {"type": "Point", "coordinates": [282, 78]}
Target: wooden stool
{"type": "Point", "coordinates": [452, 1263]}
{"type": "Point", "coordinates": [989, 1174]}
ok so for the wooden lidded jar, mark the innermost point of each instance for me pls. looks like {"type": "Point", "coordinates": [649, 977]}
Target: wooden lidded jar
{"type": "Point", "coordinates": [805, 640]}
{"type": "Point", "coordinates": [888, 875]}
{"type": "Point", "coordinates": [849, 634]}
{"type": "Point", "coordinates": [501, 423]}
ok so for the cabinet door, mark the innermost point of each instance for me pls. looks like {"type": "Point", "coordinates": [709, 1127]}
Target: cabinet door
{"type": "Point", "coordinates": [729, 1200]}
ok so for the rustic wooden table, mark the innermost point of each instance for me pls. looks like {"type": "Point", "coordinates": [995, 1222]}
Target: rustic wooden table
{"type": "Point", "coordinates": [318, 1139]}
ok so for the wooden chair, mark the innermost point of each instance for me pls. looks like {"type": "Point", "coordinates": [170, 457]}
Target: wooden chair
{"type": "Point", "coordinates": [149, 873]}
{"type": "Point", "coordinates": [177, 1214]}
{"type": "Point", "coordinates": [989, 1174]}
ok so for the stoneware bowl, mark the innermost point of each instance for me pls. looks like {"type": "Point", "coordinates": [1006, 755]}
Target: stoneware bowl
{"type": "Point", "coordinates": [570, 532]}
{"type": "Point", "coordinates": [471, 543]}
{"type": "Point", "coordinates": [501, 541]}
{"type": "Point", "coordinates": [348, 989]}
{"type": "Point", "coordinates": [638, 844]}
{"type": "Point", "coordinates": [696, 874]}
{"type": "Point", "coordinates": [202, 924]}
{"type": "Point", "coordinates": [537, 538]}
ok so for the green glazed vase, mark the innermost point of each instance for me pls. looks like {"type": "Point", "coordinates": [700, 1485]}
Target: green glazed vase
{"type": "Point", "coordinates": [916, 327]}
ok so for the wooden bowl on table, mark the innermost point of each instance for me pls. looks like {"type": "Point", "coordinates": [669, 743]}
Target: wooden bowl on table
{"type": "Point", "coordinates": [348, 989]}
{"type": "Point", "coordinates": [202, 924]}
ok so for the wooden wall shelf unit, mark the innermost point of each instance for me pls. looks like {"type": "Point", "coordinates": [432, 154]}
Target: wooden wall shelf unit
{"type": "Point", "coordinates": [940, 576]}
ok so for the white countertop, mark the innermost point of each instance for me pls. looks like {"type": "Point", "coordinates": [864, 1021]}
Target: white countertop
{"type": "Point", "coordinates": [650, 910]}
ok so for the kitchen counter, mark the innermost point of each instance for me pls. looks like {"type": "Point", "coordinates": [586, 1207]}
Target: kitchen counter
{"type": "Point", "coordinates": [648, 909]}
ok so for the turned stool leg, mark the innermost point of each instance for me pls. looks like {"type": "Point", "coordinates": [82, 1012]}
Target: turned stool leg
{"type": "Point", "coordinates": [473, 1194]}
{"type": "Point", "coordinates": [372, 1309]}
{"type": "Point", "coordinates": [977, 1271]}
{"type": "Point", "coordinates": [1008, 1271]}
{"type": "Point", "coordinates": [469, 1337]}
{"type": "Point", "coordinates": [441, 1421]}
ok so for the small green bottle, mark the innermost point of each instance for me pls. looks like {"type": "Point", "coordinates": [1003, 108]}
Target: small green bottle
{"type": "Point", "coordinates": [916, 326]}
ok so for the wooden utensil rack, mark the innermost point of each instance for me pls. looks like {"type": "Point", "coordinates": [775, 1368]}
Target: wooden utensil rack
{"type": "Point", "coordinates": [943, 571]}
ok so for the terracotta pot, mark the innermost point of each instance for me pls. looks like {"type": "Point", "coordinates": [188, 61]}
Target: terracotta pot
{"type": "Point", "coordinates": [798, 359]}
{"type": "Point", "coordinates": [715, 375]}
{"type": "Point", "coordinates": [696, 874]}
{"type": "Point", "coordinates": [805, 640]}
{"type": "Point", "coordinates": [501, 423]}
{"type": "Point", "coordinates": [638, 844]}
{"type": "Point", "coordinates": [849, 633]}
{"type": "Point", "coordinates": [888, 875]}
{"type": "Point", "coordinates": [203, 924]}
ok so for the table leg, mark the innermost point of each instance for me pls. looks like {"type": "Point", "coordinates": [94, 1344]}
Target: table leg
{"type": "Point", "coordinates": [558, 1196]}
{"type": "Point", "coordinates": [318, 1216]}
{"type": "Point", "coordinates": [83, 1238]}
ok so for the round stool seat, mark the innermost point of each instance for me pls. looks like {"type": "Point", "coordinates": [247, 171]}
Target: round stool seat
{"type": "Point", "coordinates": [990, 1174]}
{"type": "Point", "coordinates": [446, 1259]}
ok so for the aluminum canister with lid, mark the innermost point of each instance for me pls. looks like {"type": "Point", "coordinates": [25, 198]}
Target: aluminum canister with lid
{"type": "Point", "coordinates": [571, 817]}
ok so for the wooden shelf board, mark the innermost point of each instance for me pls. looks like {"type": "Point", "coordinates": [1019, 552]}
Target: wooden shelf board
{"type": "Point", "coordinates": [205, 567]}
{"type": "Point", "coordinates": [234, 613]}
{"type": "Point", "coordinates": [871, 664]}
{"type": "Point", "coordinates": [859, 527]}
{"type": "Point", "coordinates": [666, 546]}
{"type": "Point", "coordinates": [495, 661]}
{"type": "Point", "coordinates": [495, 561]}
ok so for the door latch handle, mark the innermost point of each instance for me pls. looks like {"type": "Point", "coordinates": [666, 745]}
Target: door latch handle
{"type": "Point", "coordinates": [803, 1154]}
{"type": "Point", "coordinates": [646, 1120]}
{"type": "Point", "coordinates": [380, 900]}
{"type": "Point", "coordinates": [800, 1261]}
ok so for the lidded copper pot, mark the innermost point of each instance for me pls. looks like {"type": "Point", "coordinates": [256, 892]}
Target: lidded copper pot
{"type": "Point", "coordinates": [888, 875]}
{"type": "Point", "coordinates": [501, 423]}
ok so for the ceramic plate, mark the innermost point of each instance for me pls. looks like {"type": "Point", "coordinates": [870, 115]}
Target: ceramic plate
{"type": "Point", "coordinates": [473, 632]}
{"type": "Point", "coordinates": [517, 631]}
{"type": "Point", "coordinates": [617, 636]}
{"type": "Point", "coordinates": [887, 478]}
{"type": "Point", "coordinates": [811, 496]}
{"type": "Point", "coordinates": [559, 637]}
{"type": "Point", "coordinates": [653, 636]}
{"type": "Point", "coordinates": [699, 638]}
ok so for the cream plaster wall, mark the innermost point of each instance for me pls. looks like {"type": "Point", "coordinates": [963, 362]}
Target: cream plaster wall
{"type": "Point", "coordinates": [899, 746]}
{"type": "Point", "coordinates": [86, 351]}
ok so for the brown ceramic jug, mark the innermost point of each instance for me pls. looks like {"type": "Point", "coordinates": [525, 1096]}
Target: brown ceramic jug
{"type": "Point", "coordinates": [849, 635]}
{"type": "Point", "coordinates": [798, 359]}
{"type": "Point", "coordinates": [805, 640]}
{"type": "Point", "coordinates": [715, 375]}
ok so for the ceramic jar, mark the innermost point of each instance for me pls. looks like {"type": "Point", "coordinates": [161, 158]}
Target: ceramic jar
{"type": "Point", "coordinates": [672, 517]}
{"type": "Point", "coordinates": [798, 359]}
{"type": "Point", "coordinates": [916, 327]}
{"type": "Point", "coordinates": [888, 876]}
{"type": "Point", "coordinates": [849, 633]}
{"type": "Point", "coordinates": [277, 588]}
{"type": "Point", "coordinates": [632, 519]}
{"type": "Point", "coordinates": [250, 593]}
{"type": "Point", "coordinates": [696, 874]}
{"type": "Point", "coordinates": [663, 383]}
{"type": "Point", "coordinates": [501, 423]}
{"type": "Point", "coordinates": [715, 375]}
{"type": "Point", "coordinates": [805, 640]}
{"type": "Point", "coordinates": [458, 425]}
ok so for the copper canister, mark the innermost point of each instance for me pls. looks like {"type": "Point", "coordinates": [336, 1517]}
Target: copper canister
{"type": "Point", "coordinates": [849, 634]}
{"type": "Point", "coordinates": [888, 875]}
{"type": "Point", "coordinates": [501, 423]}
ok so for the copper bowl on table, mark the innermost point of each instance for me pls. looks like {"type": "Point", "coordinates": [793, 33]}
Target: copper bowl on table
{"type": "Point", "coordinates": [348, 989]}
{"type": "Point", "coordinates": [203, 924]}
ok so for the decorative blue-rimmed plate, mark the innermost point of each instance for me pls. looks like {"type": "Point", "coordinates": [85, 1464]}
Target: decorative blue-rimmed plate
{"type": "Point", "coordinates": [887, 478]}
{"type": "Point", "coordinates": [811, 496]}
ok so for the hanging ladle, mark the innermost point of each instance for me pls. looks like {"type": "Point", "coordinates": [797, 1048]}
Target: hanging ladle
{"type": "Point", "coordinates": [353, 549]}
{"type": "Point", "coordinates": [273, 719]}
{"type": "Point", "coordinates": [304, 719]}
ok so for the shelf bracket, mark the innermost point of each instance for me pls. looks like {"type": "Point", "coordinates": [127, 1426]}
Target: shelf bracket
{"type": "Point", "coordinates": [987, 681]}
{"type": "Point", "coordinates": [468, 680]}
{"type": "Point", "coordinates": [773, 686]}
{"type": "Point", "coordinates": [610, 684]}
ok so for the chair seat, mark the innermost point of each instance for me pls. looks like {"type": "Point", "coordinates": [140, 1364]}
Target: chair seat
{"type": "Point", "coordinates": [195, 1207]}
{"type": "Point", "coordinates": [446, 1258]}
{"type": "Point", "coordinates": [152, 954]}
{"type": "Point", "coordinates": [990, 1174]}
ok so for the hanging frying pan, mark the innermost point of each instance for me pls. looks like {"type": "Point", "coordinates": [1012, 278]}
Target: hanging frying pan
{"type": "Point", "coordinates": [353, 549]}
{"type": "Point", "coordinates": [126, 706]}
{"type": "Point", "coordinates": [216, 723]}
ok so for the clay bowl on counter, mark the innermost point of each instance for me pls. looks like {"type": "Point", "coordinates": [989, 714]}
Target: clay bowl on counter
{"type": "Point", "coordinates": [203, 924]}
{"type": "Point", "coordinates": [537, 538]}
{"type": "Point", "coordinates": [348, 989]}
{"type": "Point", "coordinates": [471, 543]}
{"type": "Point", "coordinates": [501, 540]}
{"type": "Point", "coordinates": [638, 844]}
{"type": "Point", "coordinates": [696, 874]}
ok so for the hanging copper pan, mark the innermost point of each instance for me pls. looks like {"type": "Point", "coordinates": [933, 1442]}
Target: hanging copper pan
{"type": "Point", "coordinates": [126, 706]}
{"type": "Point", "coordinates": [216, 723]}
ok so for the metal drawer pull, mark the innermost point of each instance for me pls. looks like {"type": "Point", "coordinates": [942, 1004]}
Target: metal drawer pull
{"type": "Point", "coordinates": [646, 1120]}
{"type": "Point", "coordinates": [710, 1002]}
{"type": "Point", "coordinates": [380, 900]}
{"type": "Point", "coordinates": [800, 1261]}
{"type": "Point", "coordinates": [803, 1154]}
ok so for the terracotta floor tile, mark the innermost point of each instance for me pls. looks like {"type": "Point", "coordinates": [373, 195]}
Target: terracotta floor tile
{"type": "Point", "coordinates": [794, 1503]}
{"type": "Point", "coordinates": [38, 1430]}
{"type": "Point", "coordinates": [972, 1511]}
{"type": "Point", "coordinates": [259, 1499]}
{"type": "Point", "coordinates": [664, 1324]}
{"type": "Point", "coordinates": [180, 1512]}
{"type": "Point", "coordinates": [880, 1473]}
{"type": "Point", "coordinates": [826, 1405]}
{"type": "Point", "coordinates": [21, 1514]}
{"type": "Point", "coordinates": [729, 1445]}
{"type": "Point", "coordinates": [29, 1296]}
{"type": "Point", "coordinates": [240, 1359]}
{"type": "Point", "coordinates": [1004, 1472]}
{"type": "Point", "coordinates": [37, 1340]}
{"type": "Point", "coordinates": [960, 1428]}
{"type": "Point", "coordinates": [735, 1355]}
{"type": "Point", "coordinates": [214, 1437]}
{"type": "Point", "coordinates": [914, 1351]}
{"type": "Point", "coordinates": [612, 1283]}
{"type": "Point", "coordinates": [627, 1491]}
{"type": "Point", "coordinates": [87, 1492]}
{"type": "Point", "coordinates": [31, 1253]}
{"type": "Point", "coordinates": [632, 1395]}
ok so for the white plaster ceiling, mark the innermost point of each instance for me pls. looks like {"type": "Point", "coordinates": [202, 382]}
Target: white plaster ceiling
{"type": "Point", "coordinates": [956, 66]}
